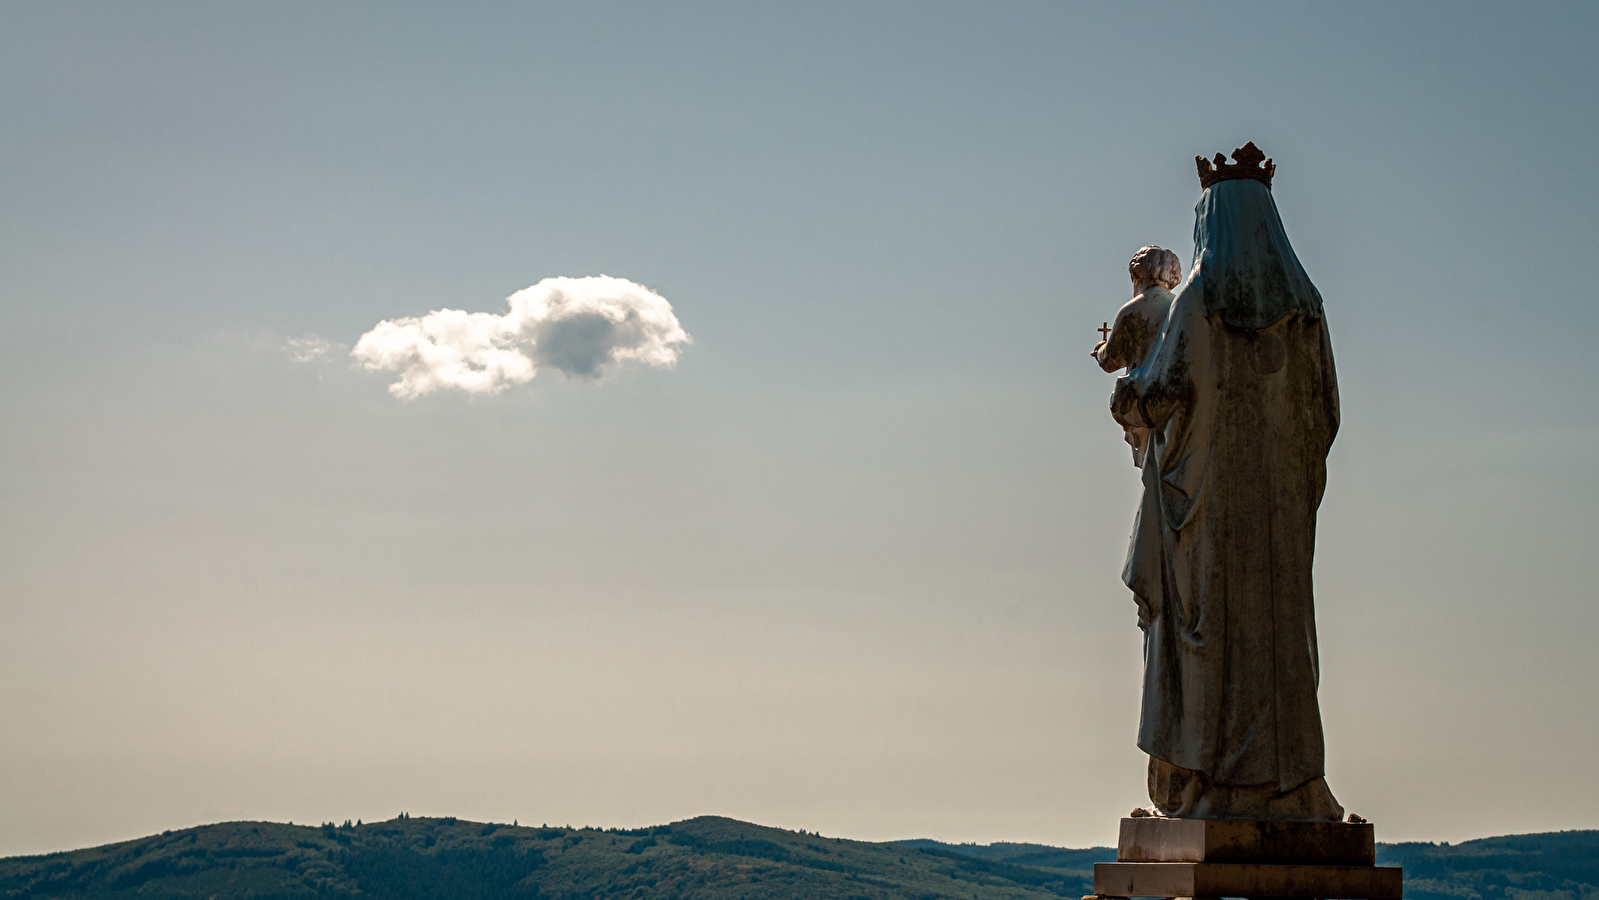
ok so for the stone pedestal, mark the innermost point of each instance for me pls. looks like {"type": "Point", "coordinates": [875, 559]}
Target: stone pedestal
{"type": "Point", "coordinates": [1158, 857]}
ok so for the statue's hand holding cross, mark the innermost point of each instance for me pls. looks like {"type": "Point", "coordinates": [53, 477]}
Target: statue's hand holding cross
{"type": "Point", "coordinates": [1104, 335]}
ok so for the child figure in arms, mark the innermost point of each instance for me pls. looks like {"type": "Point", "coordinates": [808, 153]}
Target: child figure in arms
{"type": "Point", "coordinates": [1155, 271]}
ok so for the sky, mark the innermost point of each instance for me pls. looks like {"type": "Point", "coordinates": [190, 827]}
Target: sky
{"type": "Point", "coordinates": [848, 560]}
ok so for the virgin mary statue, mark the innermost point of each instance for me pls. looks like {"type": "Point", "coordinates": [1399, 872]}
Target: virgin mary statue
{"type": "Point", "coordinates": [1242, 403]}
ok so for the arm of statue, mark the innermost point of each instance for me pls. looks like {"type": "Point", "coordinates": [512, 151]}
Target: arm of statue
{"type": "Point", "coordinates": [1111, 353]}
{"type": "Point", "coordinates": [1147, 396]}
{"type": "Point", "coordinates": [1329, 385]}
{"type": "Point", "coordinates": [1125, 407]}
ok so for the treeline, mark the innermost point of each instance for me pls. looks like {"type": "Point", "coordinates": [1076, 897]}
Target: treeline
{"type": "Point", "coordinates": [709, 858]}
{"type": "Point", "coordinates": [1562, 865]}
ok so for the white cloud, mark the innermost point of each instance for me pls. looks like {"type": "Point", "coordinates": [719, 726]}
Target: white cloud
{"type": "Point", "coordinates": [309, 348]}
{"type": "Point", "coordinates": [576, 325]}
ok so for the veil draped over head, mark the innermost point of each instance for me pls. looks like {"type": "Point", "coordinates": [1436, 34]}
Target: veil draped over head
{"type": "Point", "coordinates": [1245, 268]}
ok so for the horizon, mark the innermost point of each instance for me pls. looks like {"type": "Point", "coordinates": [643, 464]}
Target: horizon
{"type": "Point", "coordinates": [810, 511]}
{"type": "Point", "coordinates": [618, 829]}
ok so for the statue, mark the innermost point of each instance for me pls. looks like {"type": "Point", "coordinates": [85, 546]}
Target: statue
{"type": "Point", "coordinates": [1232, 408]}
{"type": "Point", "coordinates": [1155, 271]}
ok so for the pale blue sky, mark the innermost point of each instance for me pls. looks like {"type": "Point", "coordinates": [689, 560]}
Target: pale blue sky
{"type": "Point", "coordinates": [853, 564]}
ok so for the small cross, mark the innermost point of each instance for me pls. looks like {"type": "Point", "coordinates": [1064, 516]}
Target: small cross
{"type": "Point", "coordinates": [1104, 331]}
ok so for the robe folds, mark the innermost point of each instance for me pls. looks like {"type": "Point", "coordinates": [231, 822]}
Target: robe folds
{"type": "Point", "coordinates": [1241, 421]}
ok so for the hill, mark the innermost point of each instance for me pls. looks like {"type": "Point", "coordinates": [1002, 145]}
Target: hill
{"type": "Point", "coordinates": [449, 859]}
{"type": "Point", "coordinates": [1561, 865]}
{"type": "Point", "coordinates": [1024, 854]}
{"type": "Point", "coordinates": [708, 858]}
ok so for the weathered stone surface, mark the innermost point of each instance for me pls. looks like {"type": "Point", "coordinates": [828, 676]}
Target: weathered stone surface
{"type": "Point", "coordinates": [1239, 401]}
{"type": "Point", "coordinates": [1233, 841]}
{"type": "Point", "coordinates": [1154, 272]}
{"type": "Point", "coordinates": [1203, 879]}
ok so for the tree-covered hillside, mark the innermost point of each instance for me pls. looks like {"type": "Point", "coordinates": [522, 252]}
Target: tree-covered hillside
{"type": "Point", "coordinates": [1023, 854]}
{"type": "Point", "coordinates": [448, 859]}
{"type": "Point", "coordinates": [707, 858]}
{"type": "Point", "coordinates": [1562, 865]}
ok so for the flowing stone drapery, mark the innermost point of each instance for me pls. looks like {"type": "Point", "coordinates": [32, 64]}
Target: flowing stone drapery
{"type": "Point", "coordinates": [1242, 402]}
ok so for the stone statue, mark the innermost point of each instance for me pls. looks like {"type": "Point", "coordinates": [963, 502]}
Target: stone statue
{"type": "Point", "coordinates": [1240, 401]}
{"type": "Point", "coordinates": [1155, 271]}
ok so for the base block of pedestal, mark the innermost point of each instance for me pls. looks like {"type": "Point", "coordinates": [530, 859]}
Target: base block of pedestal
{"type": "Point", "coordinates": [1204, 879]}
{"type": "Point", "coordinates": [1160, 839]}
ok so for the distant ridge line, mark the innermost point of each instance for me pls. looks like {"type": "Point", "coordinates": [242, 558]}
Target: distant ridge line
{"type": "Point", "coordinates": [705, 858]}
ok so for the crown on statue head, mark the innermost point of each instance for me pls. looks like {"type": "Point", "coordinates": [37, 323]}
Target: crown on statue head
{"type": "Point", "coordinates": [1246, 164]}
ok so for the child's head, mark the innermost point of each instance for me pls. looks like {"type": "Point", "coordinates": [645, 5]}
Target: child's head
{"type": "Point", "coordinates": [1156, 264]}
